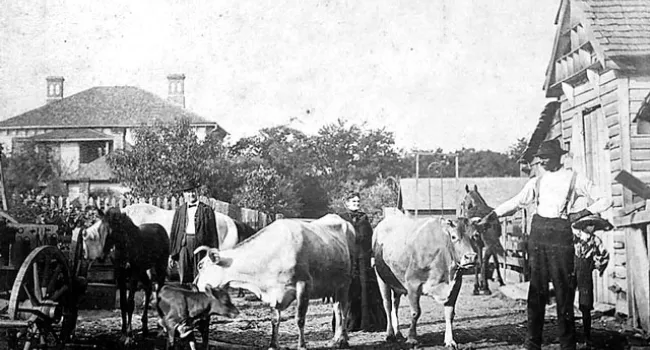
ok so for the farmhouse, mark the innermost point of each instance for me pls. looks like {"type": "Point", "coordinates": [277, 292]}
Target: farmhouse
{"type": "Point", "coordinates": [599, 76]}
{"type": "Point", "coordinates": [81, 129]}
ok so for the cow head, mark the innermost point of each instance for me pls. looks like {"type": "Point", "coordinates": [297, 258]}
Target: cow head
{"type": "Point", "coordinates": [210, 269]}
{"type": "Point", "coordinates": [221, 305]}
{"type": "Point", "coordinates": [462, 250]}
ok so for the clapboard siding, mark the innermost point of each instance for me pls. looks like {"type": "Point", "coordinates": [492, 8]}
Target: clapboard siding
{"type": "Point", "coordinates": [640, 154]}
{"type": "Point", "coordinates": [640, 142]}
{"type": "Point", "coordinates": [614, 153]}
{"type": "Point", "coordinates": [640, 165]}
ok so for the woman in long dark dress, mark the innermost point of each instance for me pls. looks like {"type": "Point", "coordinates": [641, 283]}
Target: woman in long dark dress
{"type": "Point", "coordinates": [366, 308]}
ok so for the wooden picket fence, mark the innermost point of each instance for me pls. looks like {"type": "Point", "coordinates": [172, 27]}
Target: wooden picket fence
{"type": "Point", "coordinates": [254, 218]}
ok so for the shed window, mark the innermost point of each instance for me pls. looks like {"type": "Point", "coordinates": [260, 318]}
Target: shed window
{"type": "Point", "coordinates": [643, 118]}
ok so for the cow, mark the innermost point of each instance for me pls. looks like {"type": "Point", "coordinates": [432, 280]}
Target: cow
{"type": "Point", "coordinates": [417, 257]}
{"type": "Point", "coordinates": [289, 259]}
{"type": "Point", "coordinates": [180, 310]}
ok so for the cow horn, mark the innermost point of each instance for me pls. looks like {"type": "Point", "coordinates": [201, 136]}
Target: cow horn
{"type": "Point", "coordinates": [475, 219]}
{"type": "Point", "coordinates": [202, 248]}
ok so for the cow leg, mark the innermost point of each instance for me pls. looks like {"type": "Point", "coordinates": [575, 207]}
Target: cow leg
{"type": "Point", "coordinates": [302, 296]}
{"type": "Point", "coordinates": [414, 302]}
{"type": "Point", "coordinates": [395, 315]}
{"type": "Point", "coordinates": [391, 319]}
{"type": "Point", "coordinates": [341, 310]}
{"type": "Point", "coordinates": [275, 329]}
{"type": "Point", "coordinates": [449, 332]}
{"type": "Point", "coordinates": [204, 329]}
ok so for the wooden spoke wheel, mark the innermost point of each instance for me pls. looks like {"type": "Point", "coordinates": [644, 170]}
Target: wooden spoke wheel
{"type": "Point", "coordinates": [43, 295]}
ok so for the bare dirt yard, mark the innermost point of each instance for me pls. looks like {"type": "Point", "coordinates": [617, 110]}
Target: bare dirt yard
{"type": "Point", "coordinates": [482, 322]}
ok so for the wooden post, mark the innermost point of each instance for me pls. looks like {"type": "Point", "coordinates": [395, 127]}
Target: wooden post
{"type": "Point", "coordinates": [2, 184]}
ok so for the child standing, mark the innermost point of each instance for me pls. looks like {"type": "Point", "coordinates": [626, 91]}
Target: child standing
{"type": "Point", "coordinates": [590, 254]}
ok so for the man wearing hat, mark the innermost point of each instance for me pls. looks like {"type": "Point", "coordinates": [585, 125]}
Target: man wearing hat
{"type": "Point", "coordinates": [550, 245]}
{"type": "Point", "coordinates": [193, 225]}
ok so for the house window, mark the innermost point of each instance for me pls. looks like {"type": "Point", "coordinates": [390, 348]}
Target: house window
{"type": "Point", "coordinates": [90, 151]}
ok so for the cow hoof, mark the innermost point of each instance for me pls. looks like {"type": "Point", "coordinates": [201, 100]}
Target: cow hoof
{"type": "Point", "coordinates": [501, 283]}
{"type": "Point", "coordinates": [487, 292]}
{"type": "Point", "coordinates": [412, 342]}
{"type": "Point", "coordinates": [340, 344]}
{"type": "Point", "coordinates": [452, 345]}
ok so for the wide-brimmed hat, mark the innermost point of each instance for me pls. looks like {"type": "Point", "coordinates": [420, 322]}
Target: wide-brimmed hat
{"type": "Point", "coordinates": [188, 186]}
{"type": "Point", "coordinates": [550, 148]}
{"type": "Point", "coordinates": [595, 220]}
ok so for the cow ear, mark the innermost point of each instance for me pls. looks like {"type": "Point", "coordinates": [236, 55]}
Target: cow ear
{"type": "Point", "coordinates": [451, 223]}
{"type": "Point", "coordinates": [467, 188]}
{"type": "Point", "coordinates": [475, 188]}
{"type": "Point", "coordinates": [213, 254]}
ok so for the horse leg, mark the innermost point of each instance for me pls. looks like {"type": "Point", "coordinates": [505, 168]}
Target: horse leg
{"type": "Point", "coordinates": [477, 271]}
{"type": "Point", "coordinates": [496, 266]}
{"type": "Point", "coordinates": [485, 287]}
{"type": "Point", "coordinates": [130, 306]}
{"type": "Point", "coordinates": [145, 312]}
{"type": "Point", "coordinates": [123, 307]}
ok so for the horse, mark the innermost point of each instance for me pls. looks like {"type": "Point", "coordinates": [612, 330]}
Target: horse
{"type": "Point", "coordinates": [472, 208]}
{"type": "Point", "coordinates": [136, 252]}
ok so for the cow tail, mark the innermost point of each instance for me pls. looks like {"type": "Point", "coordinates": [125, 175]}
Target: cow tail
{"type": "Point", "coordinates": [384, 271]}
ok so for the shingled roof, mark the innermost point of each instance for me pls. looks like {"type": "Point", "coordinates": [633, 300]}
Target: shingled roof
{"type": "Point", "coordinates": [70, 135]}
{"type": "Point", "coordinates": [109, 106]}
{"type": "Point", "coordinates": [621, 27]}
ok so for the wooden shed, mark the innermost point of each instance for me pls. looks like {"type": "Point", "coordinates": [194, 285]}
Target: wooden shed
{"type": "Point", "coordinates": [599, 74]}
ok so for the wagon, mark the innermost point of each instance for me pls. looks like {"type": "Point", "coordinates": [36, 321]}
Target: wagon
{"type": "Point", "coordinates": [42, 276]}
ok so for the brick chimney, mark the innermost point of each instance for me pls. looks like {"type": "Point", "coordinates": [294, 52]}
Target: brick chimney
{"type": "Point", "coordinates": [176, 93]}
{"type": "Point", "coordinates": [54, 88]}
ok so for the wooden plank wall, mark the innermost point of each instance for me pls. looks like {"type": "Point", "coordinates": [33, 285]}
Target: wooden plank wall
{"type": "Point", "coordinates": [638, 269]}
{"type": "Point", "coordinates": [639, 88]}
{"type": "Point", "coordinates": [611, 287]}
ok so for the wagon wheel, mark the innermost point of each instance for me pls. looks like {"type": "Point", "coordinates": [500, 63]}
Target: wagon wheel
{"type": "Point", "coordinates": [43, 293]}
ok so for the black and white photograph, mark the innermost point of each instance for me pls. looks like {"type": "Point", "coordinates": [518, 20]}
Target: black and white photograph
{"type": "Point", "coordinates": [325, 174]}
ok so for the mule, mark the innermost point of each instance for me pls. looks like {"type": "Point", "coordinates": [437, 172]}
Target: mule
{"type": "Point", "coordinates": [139, 255]}
{"type": "Point", "coordinates": [486, 241]}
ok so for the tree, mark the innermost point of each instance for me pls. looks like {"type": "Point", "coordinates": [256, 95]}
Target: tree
{"type": "Point", "coordinates": [30, 167]}
{"type": "Point", "coordinates": [265, 190]}
{"type": "Point", "coordinates": [344, 153]}
{"type": "Point", "coordinates": [167, 154]}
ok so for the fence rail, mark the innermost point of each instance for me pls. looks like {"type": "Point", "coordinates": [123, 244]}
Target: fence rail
{"type": "Point", "coordinates": [254, 218]}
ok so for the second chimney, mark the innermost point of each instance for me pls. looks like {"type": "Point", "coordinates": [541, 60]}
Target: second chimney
{"type": "Point", "coordinates": [54, 89]}
{"type": "Point", "coordinates": [176, 93]}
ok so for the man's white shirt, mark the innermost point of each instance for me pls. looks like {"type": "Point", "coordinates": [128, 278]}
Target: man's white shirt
{"type": "Point", "coordinates": [190, 218]}
{"type": "Point", "coordinates": [553, 192]}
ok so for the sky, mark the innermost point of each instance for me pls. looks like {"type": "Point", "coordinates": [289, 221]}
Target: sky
{"type": "Point", "coordinates": [437, 73]}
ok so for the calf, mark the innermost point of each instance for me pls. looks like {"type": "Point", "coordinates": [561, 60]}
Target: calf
{"type": "Point", "coordinates": [181, 309]}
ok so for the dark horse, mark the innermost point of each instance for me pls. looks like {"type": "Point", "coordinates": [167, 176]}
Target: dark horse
{"type": "Point", "coordinates": [487, 243]}
{"type": "Point", "coordinates": [136, 251]}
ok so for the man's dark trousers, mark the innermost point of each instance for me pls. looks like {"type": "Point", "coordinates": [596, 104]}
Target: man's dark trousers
{"type": "Point", "coordinates": [186, 264]}
{"type": "Point", "coordinates": [551, 254]}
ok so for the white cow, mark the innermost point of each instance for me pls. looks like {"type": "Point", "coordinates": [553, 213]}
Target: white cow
{"type": "Point", "coordinates": [289, 259]}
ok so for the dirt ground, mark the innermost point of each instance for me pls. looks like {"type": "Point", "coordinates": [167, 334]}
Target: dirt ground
{"type": "Point", "coordinates": [482, 322]}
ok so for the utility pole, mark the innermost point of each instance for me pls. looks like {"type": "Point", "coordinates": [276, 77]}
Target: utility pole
{"type": "Point", "coordinates": [417, 175]}
{"type": "Point", "coordinates": [2, 182]}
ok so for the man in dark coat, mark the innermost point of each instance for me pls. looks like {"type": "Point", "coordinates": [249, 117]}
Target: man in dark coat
{"type": "Point", "coordinates": [194, 225]}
